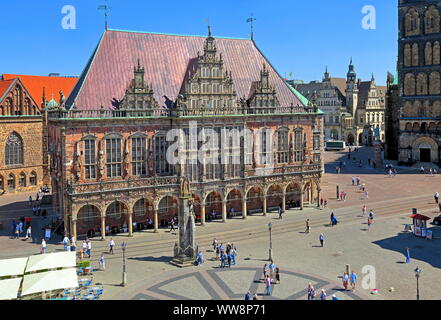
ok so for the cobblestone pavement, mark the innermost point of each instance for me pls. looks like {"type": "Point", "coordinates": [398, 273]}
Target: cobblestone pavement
{"type": "Point", "coordinates": [150, 276]}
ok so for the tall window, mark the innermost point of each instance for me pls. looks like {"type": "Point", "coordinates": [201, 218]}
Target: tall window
{"type": "Point", "coordinates": [213, 144]}
{"type": "Point", "coordinates": [316, 141]}
{"type": "Point", "coordinates": [14, 150]}
{"type": "Point", "coordinates": [162, 166]}
{"type": "Point", "coordinates": [22, 180]}
{"type": "Point", "coordinates": [298, 145]}
{"type": "Point", "coordinates": [232, 149]}
{"type": "Point", "coordinates": [265, 146]}
{"type": "Point", "coordinates": [113, 153]}
{"type": "Point", "coordinates": [90, 159]}
{"type": "Point", "coordinates": [11, 182]}
{"type": "Point", "coordinates": [138, 156]}
{"type": "Point", "coordinates": [33, 179]}
{"type": "Point", "coordinates": [283, 152]}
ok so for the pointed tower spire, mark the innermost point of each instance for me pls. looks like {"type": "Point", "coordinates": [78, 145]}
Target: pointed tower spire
{"type": "Point", "coordinates": [209, 31]}
{"type": "Point", "coordinates": [326, 74]}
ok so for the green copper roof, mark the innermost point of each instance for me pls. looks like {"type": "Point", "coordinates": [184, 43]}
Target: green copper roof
{"type": "Point", "coordinates": [396, 79]}
{"type": "Point", "coordinates": [299, 96]}
{"type": "Point", "coordinates": [52, 104]}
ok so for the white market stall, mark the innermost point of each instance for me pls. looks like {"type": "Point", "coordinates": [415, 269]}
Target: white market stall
{"type": "Point", "coordinates": [13, 267]}
{"type": "Point", "coordinates": [9, 288]}
{"type": "Point", "coordinates": [65, 259]}
{"type": "Point", "coordinates": [48, 281]}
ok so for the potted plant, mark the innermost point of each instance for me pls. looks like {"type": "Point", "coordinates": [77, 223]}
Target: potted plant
{"type": "Point", "coordinates": [85, 265]}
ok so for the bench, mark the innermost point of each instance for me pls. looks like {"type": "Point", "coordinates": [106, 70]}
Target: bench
{"type": "Point", "coordinates": [272, 209]}
{"type": "Point", "coordinates": [209, 217]}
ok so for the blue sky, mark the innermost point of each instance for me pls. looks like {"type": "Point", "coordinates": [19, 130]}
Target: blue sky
{"type": "Point", "coordinates": [297, 36]}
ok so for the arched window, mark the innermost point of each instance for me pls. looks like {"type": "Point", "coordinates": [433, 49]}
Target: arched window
{"type": "Point", "coordinates": [431, 20]}
{"type": "Point", "coordinates": [407, 55]}
{"type": "Point", "coordinates": [415, 55]}
{"type": "Point", "coordinates": [428, 54]}
{"type": "Point", "coordinates": [283, 146]}
{"type": "Point", "coordinates": [412, 23]}
{"type": "Point", "coordinates": [421, 87]}
{"type": "Point", "coordinates": [11, 182]}
{"type": "Point", "coordinates": [436, 53]}
{"type": "Point", "coordinates": [33, 179]}
{"type": "Point", "coordinates": [22, 180]}
{"type": "Point", "coordinates": [409, 85]}
{"type": "Point", "coordinates": [434, 83]}
{"type": "Point", "coordinates": [14, 150]}
{"type": "Point", "coordinates": [9, 107]}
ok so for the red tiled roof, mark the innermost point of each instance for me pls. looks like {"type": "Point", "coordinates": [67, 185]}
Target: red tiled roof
{"type": "Point", "coordinates": [165, 59]}
{"type": "Point", "coordinates": [4, 86]}
{"type": "Point", "coordinates": [53, 85]}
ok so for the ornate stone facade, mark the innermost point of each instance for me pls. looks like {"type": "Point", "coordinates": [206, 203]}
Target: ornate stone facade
{"type": "Point", "coordinates": [110, 167]}
{"type": "Point", "coordinates": [419, 70]}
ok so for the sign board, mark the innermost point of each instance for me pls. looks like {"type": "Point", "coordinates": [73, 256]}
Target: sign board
{"type": "Point", "coordinates": [47, 233]}
{"type": "Point", "coordinates": [423, 232]}
{"type": "Point", "coordinates": [417, 231]}
{"type": "Point", "coordinates": [429, 235]}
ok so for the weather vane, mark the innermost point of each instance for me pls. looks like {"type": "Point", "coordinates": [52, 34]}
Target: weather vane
{"type": "Point", "coordinates": [106, 9]}
{"type": "Point", "coordinates": [251, 20]}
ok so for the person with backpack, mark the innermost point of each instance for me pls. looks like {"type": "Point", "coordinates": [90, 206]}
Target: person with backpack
{"type": "Point", "coordinates": [322, 239]}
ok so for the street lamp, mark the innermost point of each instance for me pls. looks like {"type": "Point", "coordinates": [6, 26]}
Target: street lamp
{"type": "Point", "coordinates": [270, 226]}
{"type": "Point", "coordinates": [417, 275]}
{"type": "Point", "coordinates": [124, 274]}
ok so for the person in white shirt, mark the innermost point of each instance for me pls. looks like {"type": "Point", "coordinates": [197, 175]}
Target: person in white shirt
{"type": "Point", "coordinates": [65, 243]}
{"type": "Point", "coordinates": [43, 246]}
{"type": "Point", "coordinates": [28, 233]}
{"type": "Point", "coordinates": [73, 244]}
{"type": "Point", "coordinates": [111, 245]}
{"type": "Point", "coordinates": [89, 248]}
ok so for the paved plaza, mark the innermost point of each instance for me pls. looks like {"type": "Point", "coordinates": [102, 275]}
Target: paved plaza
{"type": "Point", "coordinates": [297, 254]}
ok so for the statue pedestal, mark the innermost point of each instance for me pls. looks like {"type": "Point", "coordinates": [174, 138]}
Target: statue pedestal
{"type": "Point", "coordinates": [185, 251]}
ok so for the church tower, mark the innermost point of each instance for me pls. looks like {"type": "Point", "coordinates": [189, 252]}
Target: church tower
{"type": "Point", "coordinates": [351, 90]}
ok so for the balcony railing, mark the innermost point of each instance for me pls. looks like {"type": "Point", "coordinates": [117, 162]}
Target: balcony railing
{"type": "Point", "coordinates": [163, 112]}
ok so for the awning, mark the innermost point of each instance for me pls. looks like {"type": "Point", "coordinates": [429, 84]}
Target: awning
{"type": "Point", "coordinates": [65, 259]}
{"type": "Point", "coordinates": [9, 288]}
{"type": "Point", "coordinates": [12, 267]}
{"type": "Point", "coordinates": [420, 217]}
{"type": "Point", "coordinates": [51, 280]}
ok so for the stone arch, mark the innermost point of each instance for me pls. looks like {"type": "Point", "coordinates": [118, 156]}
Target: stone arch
{"type": "Point", "coordinates": [409, 84]}
{"type": "Point", "coordinates": [431, 20]}
{"type": "Point", "coordinates": [432, 127]}
{"type": "Point", "coordinates": [408, 126]}
{"type": "Point", "coordinates": [428, 56]}
{"type": "Point", "coordinates": [168, 207]}
{"type": "Point", "coordinates": [255, 196]}
{"type": "Point", "coordinates": [88, 220]}
{"type": "Point", "coordinates": [234, 199]}
{"type": "Point", "coordinates": [407, 55]}
{"type": "Point", "coordinates": [416, 127]}
{"type": "Point", "coordinates": [293, 195]}
{"type": "Point", "coordinates": [425, 143]}
{"type": "Point", "coordinates": [412, 22]}
{"type": "Point", "coordinates": [11, 182]}
{"type": "Point", "coordinates": [307, 192]}
{"type": "Point", "coordinates": [421, 87]}
{"type": "Point", "coordinates": [424, 127]}
{"type": "Point", "coordinates": [142, 211]}
{"type": "Point", "coordinates": [213, 204]}
{"type": "Point", "coordinates": [434, 83]}
{"type": "Point", "coordinates": [116, 215]}
{"type": "Point", "coordinates": [274, 195]}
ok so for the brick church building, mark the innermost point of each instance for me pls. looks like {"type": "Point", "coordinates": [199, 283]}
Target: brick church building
{"type": "Point", "coordinates": [23, 144]}
{"type": "Point", "coordinates": [150, 109]}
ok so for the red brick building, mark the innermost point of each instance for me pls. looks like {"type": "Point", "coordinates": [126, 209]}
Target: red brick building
{"type": "Point", "coordinates": [246, 141]}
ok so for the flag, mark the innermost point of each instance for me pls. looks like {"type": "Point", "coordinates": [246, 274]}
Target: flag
{"type": "Point", "coordinates": [290, 75]}
{"type": "Point", "coordinates": [250, 20]}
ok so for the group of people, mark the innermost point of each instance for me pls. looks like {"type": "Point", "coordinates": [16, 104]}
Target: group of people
{"type": "Point", "coordinates": [271, 275]}
{"type": "Point", "coordinates": [226, 255]}
{"type": "Point", "coordinates": [323, 295]}
{"type": "Point", "coordinates": [22, 228]}
{"type": "Point", "coordinates": [431, 171]}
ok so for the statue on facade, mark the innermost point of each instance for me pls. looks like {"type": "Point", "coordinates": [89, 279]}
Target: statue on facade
{"type": "Point", "coordinates": [185, 188]}
{"type": "Point", "coordinates": [101, 160]}
{"type": "Point", "coordinates": [62, 100]}
{"type": "Point", "coordinates": [126, 161]}
{"type": "Point", "coordinates": [77, 163]}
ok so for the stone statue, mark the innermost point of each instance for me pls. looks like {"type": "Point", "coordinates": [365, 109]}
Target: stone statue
{"type": "Point", "coordinates": [101, 160]}
{"type": "Point", "coordinates": [126, 160]}
{"type": "Point", "coordinates": [78, 163]}
{"type": "Point", "coordinates": [62, 100]}
{"type": "Point", "coordinates": [185, 188]}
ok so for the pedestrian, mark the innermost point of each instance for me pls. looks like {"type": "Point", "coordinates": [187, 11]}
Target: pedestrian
{"type": "Point", "coordinates": [311, 293]}
{"type": "Point", "coordinates": [28, 222]}
{"type": "Point", "coordinates": [89, 247]}
{"type": "Point", "coordinates": [371, 214]}
{"type": "Point", "coordinates": [345, 280]}
{"type": "Point", "coordinates": [248, 296]}
{"type": "Point", "coordinates": [268, 285]}
{"type": "Point", "coordinates": [255, 297]}
{"type": "Point", "coordinates": [200, 258]}
{"type": "Point", "coordinates": [233, 255]}
{"type": "Point", "coordinates": [229, 258]}
{"type": "Point", "coordinates": [28, 233]}
{"type": "Point", "coordinates": [73, 244]}
{"type": "Point", "coordinates": [322, 239]}
{"type": "Point", "coordinates": [323, 295]}
{"type": "Point", "coordinates": [111, 245]}
{"type": "Point", "coordinates": [364, 210]}
{"type": "Point", "coordinates": [353, 181]}
{"type": "Point", "coordinates": [272, 269]}
{"type": "Point", "coordinates": [20, 227]}
{"type": "Point", "coordinates": [223, 258]}
{"type": "Point", "coordinates": [421, 170]}
{"type": "Point", "coordinates": [102, 262]}
{"type": "Point", "coordinates": [277, 275]}
{"type": "Point", "coordinates": [17, 231]}
{"type": "Point", "coordinates": [265, 271]}
{"type": "Point", "coordinates": [353, 279]}
{"type": "Point", "coordinates": [37, 197]}
{"type": "Point", "coordinates": [358, 181]}
{"type": "Point", "coordinates": [369, 222]}
{"type": "Point", "coordinates": [308, 227]}
{"type": "Point", "coordinates": [436, 196]}
{"type": "Point", "coordinates": [84, 247]}
{"type": "Point", "coordinates": [172, 225]}
{"type": "Point", "coordinates": [407, 253]}
{"type": "Point", "coordinates": [309, 288]}
{"type": "Point", "coordinates": [214, 244]}
{"type": "Point", "coordinates": [43, 246]}
{"type": "Point", "coordinates": [366, 194]}
{"type": "Point", "coordinates": [334, 297]}
{"type": "Point", "coordinates": [439, 205]}
{"type": "Point", "coordinates": [280, 211]}
{"type": "Point", "coordinates": [217, 254]}
{"type": "Point", "coordinates": [321, 202]}
{"type": "Point", "coordinates": [326, 203]}
{"type": "Point", "coordinates": [30, 201]}
{"type": "Point", "coordinates": [65, 242]}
